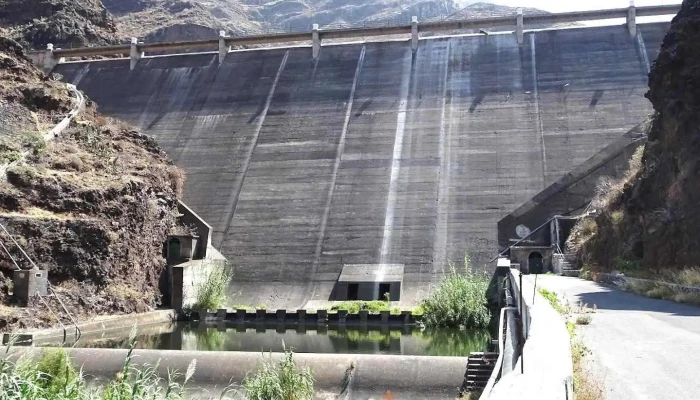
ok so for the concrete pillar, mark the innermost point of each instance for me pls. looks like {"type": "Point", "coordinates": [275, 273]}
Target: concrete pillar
{"type": "Point", "coordinates": [520, 27]}
{"type": "Point", "coordinates": [49, 59]}
{"type": "Point", "coordinates": [221, 314]}
{"type": "Point", "coordinates": [414, 33]}
{"type": "Point", "coordinates": [316, 41]}
{"type": "Point", "coordinates": [135, 53]}
{"type": "Point", "coordinates": [223, 48]}
{"type": "Point", "coordinates": [632, 19]}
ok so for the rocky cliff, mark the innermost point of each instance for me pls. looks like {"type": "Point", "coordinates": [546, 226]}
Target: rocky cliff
{"type": "Point", "coordinates": [65, 23]}
{"type": "Point", "coordinates": [651, 218]}
{"type": "Point", "coordinates": [92, 207]}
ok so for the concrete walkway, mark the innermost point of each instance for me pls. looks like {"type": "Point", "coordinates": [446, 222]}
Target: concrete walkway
{"type": "Point", "coordinates": [642, 348]}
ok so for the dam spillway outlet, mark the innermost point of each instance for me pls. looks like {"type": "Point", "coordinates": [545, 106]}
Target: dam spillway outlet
{"type": "Point", "coordinates": [194, 336]}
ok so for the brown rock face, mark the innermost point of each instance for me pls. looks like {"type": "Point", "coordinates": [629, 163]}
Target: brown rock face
{"type": "Point", "coordinates": [656, 221]}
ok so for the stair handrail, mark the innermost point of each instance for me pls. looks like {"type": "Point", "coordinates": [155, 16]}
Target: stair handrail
{"type": "Point", "coordinates": [521, 240]}
{"type": "Point", "coordinates": [78, 332]}
{"type": "Point", "coordinates": [55, 316]}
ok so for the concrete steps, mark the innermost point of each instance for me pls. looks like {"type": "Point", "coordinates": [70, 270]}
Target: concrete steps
{"type": "Point", "coordinates": [568, 264]}
{"type": "Point", "coordinates": [479, 369]}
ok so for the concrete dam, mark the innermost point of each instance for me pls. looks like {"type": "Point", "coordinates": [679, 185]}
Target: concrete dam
{"type": "Point", "coordinates": [375, 159]}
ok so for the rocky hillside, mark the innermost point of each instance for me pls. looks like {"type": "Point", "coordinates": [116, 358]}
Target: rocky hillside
{"type": "Point", "coordinates": [92, 207]}
{"type": "Point", "coordinates": [650, 220]}
{"type": "Point", "coordinates": [65, 23]}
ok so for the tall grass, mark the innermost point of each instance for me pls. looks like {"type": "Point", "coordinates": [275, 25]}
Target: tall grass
{"type": "Point", "coordinates": [53, 377]}
{"type": "Point", "coordinates": [211, 291]}
{"type": "Point", "coordinates": [280, 381]}
{"type": "Point", "coordinates": [459, 301]}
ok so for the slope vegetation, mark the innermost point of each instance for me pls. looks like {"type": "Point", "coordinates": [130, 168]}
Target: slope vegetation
{"type": "Point", "coordinates": [91, 207]}
{"type": "Point", "coordinates": [650, 220]}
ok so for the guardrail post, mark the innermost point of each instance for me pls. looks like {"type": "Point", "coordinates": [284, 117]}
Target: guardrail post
{"type": "Point", "coordinates": [223, 48]}
{"type": "Point", "coordinates": [316, 41]}
{"type": "Point", "coordinates": [135, 53]}
{"type": "Point", "coordinates": [632, 19]}
{"type": "Point", "coordinates": [414, 33]}
{"type": "Point", "coordinates": [519, 30]}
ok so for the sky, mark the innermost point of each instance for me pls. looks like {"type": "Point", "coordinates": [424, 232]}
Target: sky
{"type": "Point", "coordinates": [568, 5]}
{"type": "Point", "coordinates": [557, 6]}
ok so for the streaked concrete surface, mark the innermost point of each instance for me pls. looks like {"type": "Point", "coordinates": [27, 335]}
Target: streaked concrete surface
{"type": "Point", "coordinates": [641, 348]}
{"type": "Point", "coordinates": [374, 154]}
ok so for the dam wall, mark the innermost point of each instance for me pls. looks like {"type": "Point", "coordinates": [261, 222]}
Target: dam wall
{"type": "Point", "coordinates": [373, 154]}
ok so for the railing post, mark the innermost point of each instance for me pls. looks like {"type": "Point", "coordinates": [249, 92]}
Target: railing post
{"type": "Point", "coordinates": [632, 19]}
{"type": "Point", "coordinates": [414, 33]}
{"type": "Point", "coordinates": [135, 53]}
{"type": "Point", "coordinates": [316, 41]}
{"type": "Point", "coordinates": [223, 48]}
{"type": "Point", "coordinates": [519, 30]}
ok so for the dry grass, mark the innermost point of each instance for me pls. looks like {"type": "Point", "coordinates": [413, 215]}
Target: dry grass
{"type": "Point", "coordinates": [40, 213]}
{"type": "Point", "coordinates": [689, 276]}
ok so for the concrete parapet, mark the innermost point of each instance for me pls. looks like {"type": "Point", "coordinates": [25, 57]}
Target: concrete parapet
{"type": "Point", "coordinates": [104, 324]}
{"type": "Point", "coordinates": [281, 315]}
{"type": "Point", "coordinates": [318, 35]}
{"type": "Point", "coordinates": [546, 356]}
{"type": "Point", "coordinates": [322, 316]}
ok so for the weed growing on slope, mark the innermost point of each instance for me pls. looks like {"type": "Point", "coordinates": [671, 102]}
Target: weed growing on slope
{"type": "Point", "coordinates": [281, 380]}
{"type": "Point", "coordinates": [459, 301]}
{"type": "Point", "coordinates": [211, 291]}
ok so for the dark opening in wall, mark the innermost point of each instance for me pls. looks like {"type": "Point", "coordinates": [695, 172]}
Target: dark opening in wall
{"type": "Point", "coordinates": [535, 263]}
{"type": "Point", "coordinates": [353, 289]}
{"type": "Point", "coordinates": [384, 291]}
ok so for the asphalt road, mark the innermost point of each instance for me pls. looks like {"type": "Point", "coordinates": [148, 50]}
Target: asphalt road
{"type": "Point", "coordinates": [641, 348]}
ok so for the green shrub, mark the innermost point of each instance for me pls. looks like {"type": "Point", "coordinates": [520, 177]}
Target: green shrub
{"type": "Point", "coordinates": [280, 381]}
{"type": "Point", "coordinates": [354, 307]}
{"type": "Point", "coordinates": [211, 292]}
{"type": "Point", "coordinates": [459, 301]}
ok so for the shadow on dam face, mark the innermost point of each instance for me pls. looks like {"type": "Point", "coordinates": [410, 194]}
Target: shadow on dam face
{"type": "Point", "coordinates": [373, 153]}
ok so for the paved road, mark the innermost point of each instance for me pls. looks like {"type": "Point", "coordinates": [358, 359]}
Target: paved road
{"type": "Point", "coordinates": [643, 348]}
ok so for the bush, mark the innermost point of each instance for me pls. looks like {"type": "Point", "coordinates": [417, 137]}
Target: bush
{"type": "Point", "coordinates": [354, 307]}
{"type": "Point", "coordinates": [211, 292]}
{"type": "Point", "coordinates": [583, 319]}
{"type": "Point", "coordinates": [280, 381]}
{"type": "Point", "coordinates": [459, 301]}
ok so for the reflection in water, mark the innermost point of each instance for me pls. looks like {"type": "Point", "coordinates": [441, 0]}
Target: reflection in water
{"type": "Point", "coordinates": [360, 340]}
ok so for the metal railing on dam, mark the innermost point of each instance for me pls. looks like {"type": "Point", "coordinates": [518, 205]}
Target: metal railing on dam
{"type": "Point", "coordinates": [519, 23]}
